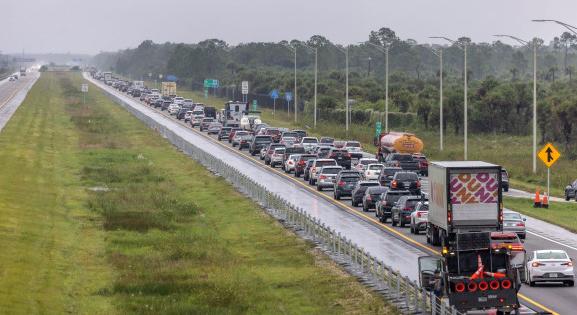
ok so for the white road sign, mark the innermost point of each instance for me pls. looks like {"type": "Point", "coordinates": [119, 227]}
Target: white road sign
{"type": "Point", "coordinates": [84, 88]}
{"type": "Point", "coordinates": [244, 87]}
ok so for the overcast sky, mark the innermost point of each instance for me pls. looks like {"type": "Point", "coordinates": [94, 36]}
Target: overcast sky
{"type": "Point", "coordinates": [90, 26]}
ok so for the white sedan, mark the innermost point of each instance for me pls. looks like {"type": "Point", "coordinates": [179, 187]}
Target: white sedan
{"type": "Point", "coordinates": [373, 171]}
{"type": "Point", "coordinates": [550, 266]}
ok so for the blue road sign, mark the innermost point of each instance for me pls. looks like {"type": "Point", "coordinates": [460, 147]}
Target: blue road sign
{"type": "Point", "coordinates": [288, 96]}
{"type": "Point", "coordinates": [274, 94]}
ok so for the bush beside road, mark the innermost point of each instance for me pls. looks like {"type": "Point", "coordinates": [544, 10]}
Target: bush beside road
{"type": "Point", "coordinates": [137, 227]}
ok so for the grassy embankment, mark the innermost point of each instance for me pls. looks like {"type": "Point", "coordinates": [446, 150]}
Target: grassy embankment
{"type": "Point", "coordinates": [513, 152]}
{"type": "Point", "coordinates": [102, 216]}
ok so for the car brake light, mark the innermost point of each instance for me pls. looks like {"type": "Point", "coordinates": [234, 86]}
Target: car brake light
{"type": "Point", "coordinates": [407, 209]}
{"type": "Point", "coordinates": [369, 198]}
{"type": "Point", "coordinates": [348, 155]}
{"type": "Point", "coordinates": [418, 184]}
{"type": "Point", "coordinates": [536, 264]}
{"type": "Point", "coordinates": [449, 217]}
{"type": "Point", "coordinates": [521, 224]}
{"type": "Point", "coordinates": [322, 177]}
{"type": "Point", "coordinates": [420, 214]}
{"type": "Point", "coordinates": [394, 184]}
{"type": "Point", "coordinates": [569, 264]}
{"type": "Point", "coordinates": [341, 183]}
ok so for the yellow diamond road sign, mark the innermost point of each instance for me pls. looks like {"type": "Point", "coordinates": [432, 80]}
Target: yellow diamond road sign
{"type": "Point", "coordinates": [549, 155]}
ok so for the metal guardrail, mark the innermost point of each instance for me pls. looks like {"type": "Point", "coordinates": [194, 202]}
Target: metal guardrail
{"type": "Point", "coordinates": [408, 297]}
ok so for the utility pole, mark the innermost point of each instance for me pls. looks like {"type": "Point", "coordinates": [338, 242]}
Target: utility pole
{"type": "Point", "coordinates": [439, 53]}
{"type": "Point", "coordinates": [347, 89]}
{"type": "Point", "coordinates": [384, 50]}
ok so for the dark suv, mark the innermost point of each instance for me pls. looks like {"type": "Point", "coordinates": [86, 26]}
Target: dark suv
{"type": "Point", "coordinates": [401, 212]}
{"type": "Point", "coordinates": [322, 152]}
{"type": "Point", "coordinates": [402, 160]}
{"type": "Point", "coordinates": [345, 182]}
{"type": "Point", "coordinates": [571, 191]}
{"type": "Point", "coordinates": [302, 162]}
{"type": "Point", "coordinates": [224, 133]}
{"type": "Point", "coordinates": [342, 156]}
{"type": "Point", "coordinates": [359, 191]}
{"type": "Point", "coordinates": [259, 142]}
{"type": "Point", "coordinates": [307, 169]}
{"type": "Point", "coordinates": [387, 173]}
{"type": "Point", "coordinates": [373, 196]}
{"type": "Point", "coordinates": [423, 164]}
{"type": "Point", "coordinates": [387, 201]}
{"type": "Point", "coordinates": [406, 181]}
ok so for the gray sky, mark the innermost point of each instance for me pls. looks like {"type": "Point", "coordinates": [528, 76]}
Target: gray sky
{"type": "Point", "coordinates": [90, 26]}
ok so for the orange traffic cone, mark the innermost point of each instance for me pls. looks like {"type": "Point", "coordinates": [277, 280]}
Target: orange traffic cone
{"type": "Point", "coordinates": [545, 201]}
{"type": "Point", "coordinates": [537, 203]}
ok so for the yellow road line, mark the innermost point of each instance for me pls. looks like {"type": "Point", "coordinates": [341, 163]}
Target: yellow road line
{"type": "Point", "coordinates": [10, 97]}
{"type": "Point", "coordinates": [341, 205]}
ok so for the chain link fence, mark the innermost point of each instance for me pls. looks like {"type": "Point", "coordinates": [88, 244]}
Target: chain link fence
{"type": "Point", "coordinates": [406, 294]}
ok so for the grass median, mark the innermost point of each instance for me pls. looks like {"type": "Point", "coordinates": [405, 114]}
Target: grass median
{"type": "Point", "coordinates": [140, 227]}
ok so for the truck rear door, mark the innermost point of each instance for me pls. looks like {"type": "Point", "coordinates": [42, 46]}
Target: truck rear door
{"type": "Point", "coordinates": [428, 265]}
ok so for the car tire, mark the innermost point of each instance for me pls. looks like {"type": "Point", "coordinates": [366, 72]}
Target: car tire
{"type": "Point", "coordinates": [266, 162]}
{"type": "Point", "coordinates": [353, 203]}
{"type": "Point", "coordinates": [393, 222]}
{"type": "Point", "coordinates": [570, 283]}
{"type": "Point", "coordinates": [567, 198]}
{"type": "Point", "coordinates": [412, 229]}
{"type": "Point", "coordinates": [337, 196]}
{"type": "Point", "coordinates": [401, 223]}
{"type": "Point", "coordinates": [319, 188]}
{"type": "Point", "coordinates": [365, 209]}
{"type": "Point", "coordinates": [506, 189]}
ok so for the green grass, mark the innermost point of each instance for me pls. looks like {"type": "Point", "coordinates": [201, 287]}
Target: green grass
{"type": "Point", "coordinates": [161, 235]}
{"type": "Point", "coordinates": [559, 213]}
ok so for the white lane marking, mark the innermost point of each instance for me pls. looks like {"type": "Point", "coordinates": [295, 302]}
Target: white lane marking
{"type": "Point", "coordinates": [551, 240]}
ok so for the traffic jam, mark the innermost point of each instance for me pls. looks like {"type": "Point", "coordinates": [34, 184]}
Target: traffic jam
{"type": "Point", "coordinates": [453, 208]}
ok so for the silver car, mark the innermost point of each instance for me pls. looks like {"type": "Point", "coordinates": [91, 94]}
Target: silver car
{"type": "Point", "coordinates": [550, 266]}
{"type": "Point", "coordinates": [327, 176]}
{"type": "Point", "coordinates": [276, 157]}
{"type": "Point", "coordinates": [419, 217]}
{"type": "Point", "coordinates": [291, 161]}
{"type": "Point", "coordinates": [514, 222]}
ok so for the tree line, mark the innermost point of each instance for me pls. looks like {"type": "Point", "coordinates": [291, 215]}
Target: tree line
{"type": "Point", "coordinates": [500, 77]}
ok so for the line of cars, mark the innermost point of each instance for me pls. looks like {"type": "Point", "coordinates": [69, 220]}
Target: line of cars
{"type": "Point", "coordinates": [392, 188]}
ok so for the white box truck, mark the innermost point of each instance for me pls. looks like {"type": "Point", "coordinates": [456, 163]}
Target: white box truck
{"type": "Point", "coordinates": [465, 196]}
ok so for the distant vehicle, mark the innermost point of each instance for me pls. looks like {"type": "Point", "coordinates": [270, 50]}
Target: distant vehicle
{"type": "Point", "coordinates": [402, 160]}
{"type": "Point", "coordinates": [419, 217]}
{"type": "Point", "coordinates": [290, 162]}
{"type": "Point", "coordinates": [258, 142]}
{"type": "Point", "coordinates": [233, 131]}
{"type": "Point", "coordinates": [423, 164]}
{"type": "Point", "coordinates": [514, 222]}
{"type": "Point", "coordinates": [248, 121]}
{"type": "Point", "coordinates": [327, 140]}
{"type": "Point", "coordinates": [210, 111]}
{"type": "Point", "coordinates": [571, 191]}
{"type": "Point", "coordinates": [387, 174]}
{"type": "Point", "coordinates": [342, 156]}
{"type": "Point", "coordinates": [224, 133]}
{"type": "Point", "coordinates": [11, 78]}
{"type": "Point", "coordinates": [316, 167]}
{"type": "Point", "coordinates": [301, 134]}
{"type": "Point", "coordinates": [237, 137]}
{"type": "Point", "coordinates": [363, 162]}
{"type": "Point", "coordinates": [359, 191]}
{"type": "Point", "coordinates": [550, 266]}
{"type": "Point", "coordinates": [168, 88]}
{"type": "Point", "coordinates": [321, 152]}
{"type": "Point", "coordinates": [291, 134]}
{"type": "Point", "coordinates": [243, 140]}
{"type": "Point", "coordinates": [355, 150]}
{"type": "Point", "coordinates": [205, 122]}
{"type": "Point", "coordinates": [345, 183]}
{"type": "Point", "coordinates": [372, 197]}
{"type": "Point", "coordinates": [307, 169]}
{"type": "Point", "coordinates": [269, 150]}
{"type": "Point", "coordinates": [187, 116]}
{"type": "Point", "coordinates": [308, 143]}
{"type": "Point", "coordinates": [401, 211]}
{"type": "Point", "coordinates": [291, 150]}
{"type": "Point", "coordinates": [214, 128]}
{"type": "Point", "coordinates": [406, 181]}
{"type": "Point", "coordinates": [276, 157]}
{"type": "Point", "coordinates": [504, 180]}
{"type": "Point", "coordinates": [301, 163]}
{"type": "Point", "coordinates": [466, 198]}
{"type": "Point", "coordinates": [373, 171]}
{"type": "Point", "coordinates": [326, 177]}
{"type": "Point", "coordinates": [288, 141]}
{"type": "Point", "coordinates": [511, 242]}
{"type": "Point", "coordinates": [387, 202]}
{"type": "Point", "coordinates": [397, 142]}
{"type": "Point", "coordinates": [233, 111]}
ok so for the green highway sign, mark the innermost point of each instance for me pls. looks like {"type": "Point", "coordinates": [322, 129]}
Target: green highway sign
{"type": "Point", "coordinates": [378, 128]}
{"type": "Point", "coordinates": [211, 83]}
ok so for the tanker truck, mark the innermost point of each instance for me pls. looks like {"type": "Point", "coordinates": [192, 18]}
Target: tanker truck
{"type": "Point", "coordinates": [397, 142]}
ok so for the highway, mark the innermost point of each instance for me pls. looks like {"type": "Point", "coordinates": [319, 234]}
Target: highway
{"type": "Point", "coordinates": [395, 246]}
{"type": "Point", "coordinates": [12, 93]}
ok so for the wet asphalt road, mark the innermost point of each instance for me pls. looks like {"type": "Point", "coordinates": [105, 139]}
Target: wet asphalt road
{"type": "Point", "coordinates": [382, 240]}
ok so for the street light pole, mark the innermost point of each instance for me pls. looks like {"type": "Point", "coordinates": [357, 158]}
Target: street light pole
{"type": "Point", "coordinates": [462, 46]}
{"type": "Point", "coordinates": [384, 50]}
{"type": "Point", "coordinates": [347, 88]}
{"type": "Point", "coordinates": [316, 78]}
{"type": "Point", "coordinates": [295, 51]}
{"type": "Point", "coordinates": [439, 53]}
{"type": "Point", "coordinates": [524, 42]}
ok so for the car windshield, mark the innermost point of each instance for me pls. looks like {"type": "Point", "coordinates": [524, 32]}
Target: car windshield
{"type": "Point", "coordinates": [375, 167]}
{"type": "Point", "coordinates": [350, 179]}
{"type": "Point", "coordinates": [310, 140]}
{"type": "Point", "coordinates": [390, 172]}
{"type": "Point", "coordinates": [240, 134]}
{"type": "Point", "coordinates": [367, 184]}
{"type": "Point", "coordinates": [331, 170]}
{"type": "Point", "coordinates": [273, 132]}
{"type": "Point", "coordinates": [307, 157]}
{"type": "Point", "coordinates": [551, 255]}
{"type": "Point", "coordinates": [411, 203]}
{"type": "Point", "coordinates": [376, 190]}
{"type": "Point", "coordinates": [367, 162]}
{"type": "Point", "coordinates": [406, 176]}
{"type": "Point", "coordinates": [353, 144]}
{"type": "Point", "coordinates": [279, 151]}
{"type": "Point", "coordinates": [290, 134]}
{"type": "Point", "coordinates": [512, 216]}
{"type": "Point", "coordinates": [403, 157]}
